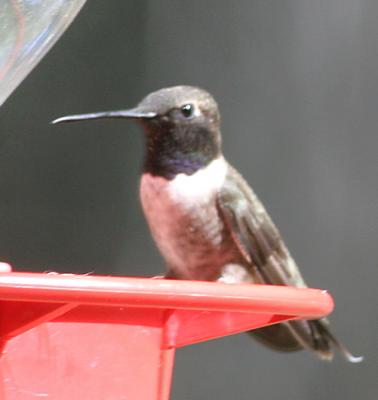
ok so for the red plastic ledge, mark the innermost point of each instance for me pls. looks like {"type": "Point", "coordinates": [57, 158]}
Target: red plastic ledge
{"type": "Point", "coordinates": [163, 293]}
{"type": "Point", "coordinates": [69, 336]}
{"type": "Point", "coordinates": [52, 295]}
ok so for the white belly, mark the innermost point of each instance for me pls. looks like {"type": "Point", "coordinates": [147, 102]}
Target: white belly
{"type": "Point", "coordinates": [178, 210]}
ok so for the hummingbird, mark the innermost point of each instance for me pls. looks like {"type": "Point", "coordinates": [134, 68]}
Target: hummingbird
{"type": "Point", "coordinates": [205, 219]}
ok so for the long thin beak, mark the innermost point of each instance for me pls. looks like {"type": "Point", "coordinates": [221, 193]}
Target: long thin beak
{"type": "Point", "coordinates": [133, 113]}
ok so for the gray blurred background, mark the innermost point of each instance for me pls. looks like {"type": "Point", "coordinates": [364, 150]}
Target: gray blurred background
{"type": "Point", "coordinates": [297, 84]}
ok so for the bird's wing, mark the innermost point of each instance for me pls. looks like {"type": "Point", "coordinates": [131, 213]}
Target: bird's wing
{"type": "Point", "coordinates": [269, 262]}
{"type": "Point", "coordinates": [255, 235]}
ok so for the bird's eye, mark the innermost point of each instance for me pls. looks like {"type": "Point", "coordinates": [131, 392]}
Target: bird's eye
{"type": "Point", "coordinates": [187, 110]}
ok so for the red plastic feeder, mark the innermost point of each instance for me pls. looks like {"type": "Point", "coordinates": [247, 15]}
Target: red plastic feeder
{"type": "Point", "coordinates": [68, 337]}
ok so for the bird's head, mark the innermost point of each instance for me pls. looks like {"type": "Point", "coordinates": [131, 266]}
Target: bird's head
{"type": "Point", "coordinates": [181, 125]}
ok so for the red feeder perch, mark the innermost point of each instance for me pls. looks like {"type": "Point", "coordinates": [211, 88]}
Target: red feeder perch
{"type": "Point", "coordinates": [68, 337]}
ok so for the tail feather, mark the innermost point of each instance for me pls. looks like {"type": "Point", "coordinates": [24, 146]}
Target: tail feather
{"type": "Point", "coordinates": [323, 329]}
{"type": "Point", "coordinates": [296, 335]}
{"type": "Point", "coordinates": [278, 337]}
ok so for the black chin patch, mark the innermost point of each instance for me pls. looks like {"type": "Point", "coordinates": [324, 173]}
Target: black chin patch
{"type": "Point", "coordinates": [174, 149]}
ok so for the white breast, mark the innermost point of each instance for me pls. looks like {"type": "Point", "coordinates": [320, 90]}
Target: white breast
{"type": "Point", "coordinates": [189, 189]}
{"type": "Point", "coordinates": [178, 209]}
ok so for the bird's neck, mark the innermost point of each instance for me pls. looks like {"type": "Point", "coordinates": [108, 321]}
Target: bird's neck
{"type": "Point", "coordinates": [168, 166]}
{"type": "Point", "coordinates": [170, 155]}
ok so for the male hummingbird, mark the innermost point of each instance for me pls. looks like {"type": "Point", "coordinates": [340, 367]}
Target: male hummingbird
{"type": "Point", "coordinates": [205, 219]}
